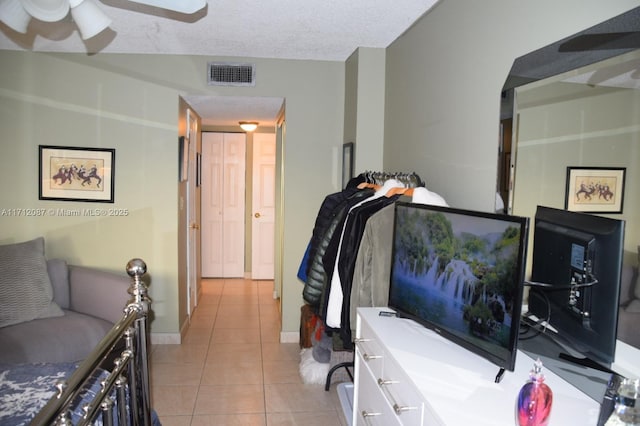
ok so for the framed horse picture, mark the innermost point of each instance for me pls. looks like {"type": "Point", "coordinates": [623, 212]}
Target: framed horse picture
{"type": "Point", "coordinates": [595, 189]}
{"type": "Point", "coordinates": [76, 174]}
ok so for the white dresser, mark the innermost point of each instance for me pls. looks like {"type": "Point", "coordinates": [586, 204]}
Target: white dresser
{"type": "Point", "coordinates": [406, 374]}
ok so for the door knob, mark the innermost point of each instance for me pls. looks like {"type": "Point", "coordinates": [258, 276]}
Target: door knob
{"type": "Point", "coordinates": [257, 215]}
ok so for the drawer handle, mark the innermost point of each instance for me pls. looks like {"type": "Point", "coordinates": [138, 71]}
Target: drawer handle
{"type": "Point", "coordinates": [368, 357]}
{"type": "Point", "coordinates": [366, 414]}
{"type": "Point", "coordinates": [361, 340]}
{"type": "Point", "coordinates": [399, 409]}
{"type": "Point", "coordinates": [382, 382]}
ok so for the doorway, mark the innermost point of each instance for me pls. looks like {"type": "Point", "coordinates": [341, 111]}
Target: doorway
{"type": "Point", "coordinates": [223, 204]}
{"type": "Point", "coordinates": [222, 113]}
{"type": "Point", "coordinates": [238, 205]}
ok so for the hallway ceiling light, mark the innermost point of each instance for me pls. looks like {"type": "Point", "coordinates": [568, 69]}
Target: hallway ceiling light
{"type": "Point", "coordinates": [248, 126]}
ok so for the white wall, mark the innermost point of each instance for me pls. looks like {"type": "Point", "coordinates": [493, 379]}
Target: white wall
{"type": "Point", "coordinates": [443, 82]}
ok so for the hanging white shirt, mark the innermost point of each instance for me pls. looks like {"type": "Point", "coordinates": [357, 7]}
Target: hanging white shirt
{"type": "Point", "coordinates": [334, 303]}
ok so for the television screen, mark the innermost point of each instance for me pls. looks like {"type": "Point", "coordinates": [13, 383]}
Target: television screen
{"type": "Point", "coordinates": [576, 272]}
{"type": "Point", "coordinates": [460, 273]}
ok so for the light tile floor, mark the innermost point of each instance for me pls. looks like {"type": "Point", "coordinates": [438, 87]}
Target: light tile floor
{"type": "Point", "coordinates": [231, 368]}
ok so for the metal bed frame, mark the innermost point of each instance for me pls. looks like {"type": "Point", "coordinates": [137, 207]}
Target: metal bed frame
{"type": "Point", "coordinates": [124, 395]}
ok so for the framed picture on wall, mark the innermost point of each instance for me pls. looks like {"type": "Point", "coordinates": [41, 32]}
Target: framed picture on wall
{"type": "Point", "coordinates": [76, 174]}
{"type": "Point", "coordinates": [348, 161]}
{"type": "Point", "coordinates": [595, 189]}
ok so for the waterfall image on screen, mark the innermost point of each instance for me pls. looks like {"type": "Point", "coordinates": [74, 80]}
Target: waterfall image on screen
{"type": "Point", "coordinates": [459, 274]}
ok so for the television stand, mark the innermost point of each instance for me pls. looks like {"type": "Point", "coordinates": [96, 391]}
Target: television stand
{"type": "Point", "coordinates": [406, 374]}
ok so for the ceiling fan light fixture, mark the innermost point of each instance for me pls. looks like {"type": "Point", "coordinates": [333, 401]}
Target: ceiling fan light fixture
{"type": "Point", "coordinates": [14, 16]}
{"type": "Point", "coordinates": [248, 126]}
{"type": "Point", "coordinates": [180, 6]}
{"type": "Point", "coordinates": [89, 18]}
{"type": "Point", "coordinates": [47, 10]}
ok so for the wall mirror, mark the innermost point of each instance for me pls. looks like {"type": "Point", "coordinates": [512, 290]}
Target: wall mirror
{"type": "Point", "coordinates": [575, 103]}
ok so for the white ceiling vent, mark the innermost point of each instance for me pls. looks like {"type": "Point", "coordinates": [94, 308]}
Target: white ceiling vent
{"type": "Point", "coordinates": [231, 74]}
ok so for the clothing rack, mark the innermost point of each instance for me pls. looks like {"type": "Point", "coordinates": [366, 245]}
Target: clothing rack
{"type": "Point", "coordinates": [376, 179]}
{"type": "Point", "coordinates": [409, 180]}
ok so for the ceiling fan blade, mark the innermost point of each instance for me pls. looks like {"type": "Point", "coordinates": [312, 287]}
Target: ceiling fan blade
{"type": "Point", "coordinates": [181, 6]}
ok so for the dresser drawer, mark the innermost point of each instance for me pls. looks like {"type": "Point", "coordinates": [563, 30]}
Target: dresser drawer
{"type": "Point", "coordinates": [401, 394]}
{"type": "Point", "coordinates": [370, 350]}
{"type": "Point", "coordinates": [372, 407]}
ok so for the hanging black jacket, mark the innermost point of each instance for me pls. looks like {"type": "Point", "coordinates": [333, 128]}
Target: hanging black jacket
{"type": "Point", "coordinates": [331, 216]}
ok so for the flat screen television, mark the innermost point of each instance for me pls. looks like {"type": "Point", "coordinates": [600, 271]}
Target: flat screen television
{"type": "Point", "coordinates": [460, 273]}
{"type": "Point", "coordinates": [576, 273]}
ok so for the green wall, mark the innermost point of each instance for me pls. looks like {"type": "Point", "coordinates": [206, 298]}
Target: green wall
{"type": "Point", "coordinates": [130, 103]}
{"type": "Point", "coordinates": [443, 82]}
{"type": "Point", "coordinates": [570, 125]}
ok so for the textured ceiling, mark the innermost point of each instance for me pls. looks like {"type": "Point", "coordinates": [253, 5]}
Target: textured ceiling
{"type": "Point", "coordinates": [283, 29]}
{"type": "Point", "coordinates": [291, 29]}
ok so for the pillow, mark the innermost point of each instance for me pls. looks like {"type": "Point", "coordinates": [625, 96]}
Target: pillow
{"type": "Point", "coordinates": [25, 288]}
{"type": "Point", "coordinates": [59, 277]}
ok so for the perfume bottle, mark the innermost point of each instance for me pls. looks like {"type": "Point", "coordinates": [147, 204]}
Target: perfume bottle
{"type": "Point", "coordinates": [627, 409]}
{"type": "Point", "coordinates": [535, 399]}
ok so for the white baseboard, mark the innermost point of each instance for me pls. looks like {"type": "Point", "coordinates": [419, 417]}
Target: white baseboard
{"type": "Point", "coordinates": [165, 338]}
{"type": "Point", "coordinates": [289, 337]}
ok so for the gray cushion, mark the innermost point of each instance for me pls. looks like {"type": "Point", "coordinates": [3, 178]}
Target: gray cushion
{"type": "Point", "coordinates": [98, 293]}
{"type": "Point", "coordinates": [59, 276]}
{"type": "Point", "coordinates": [627, 283]}
{"type": "Point", "coordinates": [68, 338]}
{"type": "Point", "coordinates": [25, 288]}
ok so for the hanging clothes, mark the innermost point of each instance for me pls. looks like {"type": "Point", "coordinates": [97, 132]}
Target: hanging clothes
{"type": "Point", "coordinates": [330, 217]}
{"type": "Point", "coordinates": [334, 303]}
{"type": "Point", "coordinates": [372, 268]}
{"type": "Point", "coordinates": [328, 263]}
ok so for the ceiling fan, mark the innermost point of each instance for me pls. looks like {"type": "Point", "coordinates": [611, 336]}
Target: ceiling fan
{"type": "Point", "coordinates": [180, 6]}
{"type": "Point", "coordinates": [88, 16]}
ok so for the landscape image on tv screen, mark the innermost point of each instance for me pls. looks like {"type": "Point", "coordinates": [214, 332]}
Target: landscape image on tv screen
{"type": "Point", "coordinates": [460, 274]}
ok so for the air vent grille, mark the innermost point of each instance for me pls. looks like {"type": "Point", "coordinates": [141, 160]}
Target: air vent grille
{"type": "Point", "coordinates": [230, 74]}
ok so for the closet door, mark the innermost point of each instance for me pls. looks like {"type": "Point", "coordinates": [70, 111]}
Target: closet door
{"type": "Point", "coordinates": [223, 187]}
{"type": "Point", "coordinates": [264, 207]}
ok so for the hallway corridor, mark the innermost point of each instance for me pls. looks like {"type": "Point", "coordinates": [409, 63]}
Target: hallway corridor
{"type": "Point", "coordinates": [231, 368]}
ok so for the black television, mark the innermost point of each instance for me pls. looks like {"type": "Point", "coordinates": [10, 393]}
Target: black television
{"type": "Point", "coordinates": [460, 273]}
{"type": "Point", "coordinates": [575, 282]}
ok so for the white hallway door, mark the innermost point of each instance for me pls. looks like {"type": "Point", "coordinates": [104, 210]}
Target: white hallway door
{"type": "Point", "coordinates": [264, 203]}
{"type": "Point", "coordinates": [192, 216]}
{"type": "Point", "coordinates": [223, 204]}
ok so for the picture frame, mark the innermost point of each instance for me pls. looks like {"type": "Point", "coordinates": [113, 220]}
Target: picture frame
{"type": "Point", "coordinates": [595, 189]}
{"type": "Point", "coordinates": [76, 174]}
{"type": "Point", "coordinates": [348, 161]}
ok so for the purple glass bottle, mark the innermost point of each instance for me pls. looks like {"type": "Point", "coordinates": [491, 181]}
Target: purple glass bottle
{"type": "Point", "coordinates": [535, 399]}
